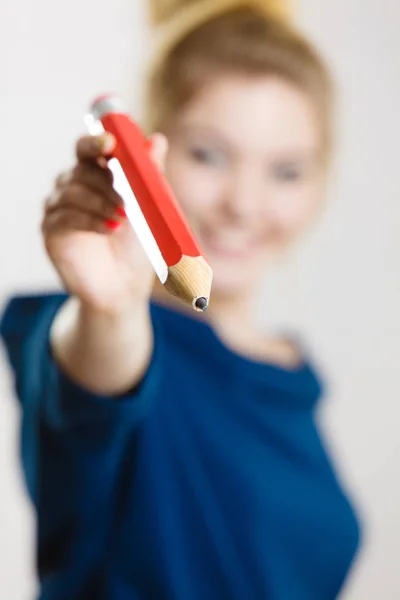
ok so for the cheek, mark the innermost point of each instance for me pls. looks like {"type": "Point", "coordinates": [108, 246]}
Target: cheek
{"type": "Point", "coordinates": [294, 209]}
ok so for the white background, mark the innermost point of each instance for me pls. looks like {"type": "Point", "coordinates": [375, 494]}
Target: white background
{"type": "Point", "coordinates": [342, 289]}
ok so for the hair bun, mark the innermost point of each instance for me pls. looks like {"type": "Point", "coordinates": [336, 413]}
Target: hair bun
{"type": "Point", "coordinates": [163, 11]}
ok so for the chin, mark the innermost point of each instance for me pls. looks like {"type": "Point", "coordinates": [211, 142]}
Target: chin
{"type": "Point", "coordinates": [231, 280]}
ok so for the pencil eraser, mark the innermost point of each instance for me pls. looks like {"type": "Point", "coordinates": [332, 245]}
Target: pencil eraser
{"type": "Point", "coordinates": [105, 104]}
{"type": "Point", "coordinates": [103, 97]}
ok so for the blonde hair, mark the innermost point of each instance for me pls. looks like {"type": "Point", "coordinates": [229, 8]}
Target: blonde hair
{"type": "Point", "coordinates": [198, 39]}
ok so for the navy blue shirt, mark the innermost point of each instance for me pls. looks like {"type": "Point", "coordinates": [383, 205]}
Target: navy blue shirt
{"type": "Point", "coordinates": [208, 482]}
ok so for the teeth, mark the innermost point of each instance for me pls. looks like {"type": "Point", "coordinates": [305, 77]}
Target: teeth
{"type": "Point", "coordinates": [231, 240]}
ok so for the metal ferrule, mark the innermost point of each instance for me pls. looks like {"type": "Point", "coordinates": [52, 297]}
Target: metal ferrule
{"type": "Point", "coordinates": [107, 105]}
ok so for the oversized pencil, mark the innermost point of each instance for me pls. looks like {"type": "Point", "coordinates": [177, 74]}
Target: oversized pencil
{"type": "Point", "coordinates": [151, 207]}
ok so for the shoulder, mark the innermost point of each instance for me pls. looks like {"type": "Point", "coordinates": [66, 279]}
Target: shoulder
{"type": "Point", "coordinates": [21, 310]}
{"type": "Point", "coordinates": [24, 318]}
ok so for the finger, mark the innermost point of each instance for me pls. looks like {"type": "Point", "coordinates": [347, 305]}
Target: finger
{"type": "Point", "coordinates": [63, 179]}
{"type": "Point", "coordinates": [97, 179]}
{"type": "Point", "coordinates": [80, 197]}
{"type": "Point", "coordinates": [68, 219]}
{"type": "Point", "coordinates": [159, 149]}
{"type": "Point", "coordinates": [53, 199]}
{"type": "Point", "coordinates": [92, 147]}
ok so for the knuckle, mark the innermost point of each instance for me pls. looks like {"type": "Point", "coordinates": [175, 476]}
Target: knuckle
{"type": "Point", "coordinates": [71, 194]}
{"type": "Point", "coordinates": [63, 178]}
{"type": "Point", "coordinates": [52, 199]}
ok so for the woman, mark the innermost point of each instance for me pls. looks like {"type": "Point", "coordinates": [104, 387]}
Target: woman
{"type": "Point", "coordinates": [171, 456]}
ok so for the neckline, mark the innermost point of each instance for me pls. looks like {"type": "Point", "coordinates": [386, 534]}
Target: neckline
{"type": "Point", "coordinates": [302, 379]}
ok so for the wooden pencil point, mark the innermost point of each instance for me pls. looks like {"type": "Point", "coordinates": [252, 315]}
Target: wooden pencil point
{"type": "Point", "coordinates": [190, 281]}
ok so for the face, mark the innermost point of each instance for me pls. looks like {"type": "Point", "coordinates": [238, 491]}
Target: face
{"type": "Point", "coordinates": [244, 163]}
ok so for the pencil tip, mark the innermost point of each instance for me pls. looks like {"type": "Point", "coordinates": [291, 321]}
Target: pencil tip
{"type": "Point", "coordinates": [201, 303]}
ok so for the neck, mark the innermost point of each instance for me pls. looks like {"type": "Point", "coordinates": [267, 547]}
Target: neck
{"type": "Point", "coordinates": [226, 313]}
{"type": "Point", "coordinates": [232, 312]}
{"type": "Point", "coordinates": [231, 318]}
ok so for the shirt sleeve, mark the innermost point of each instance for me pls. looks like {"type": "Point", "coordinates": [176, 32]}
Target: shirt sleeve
{"type": "Point", "coordinates": [49, 399]}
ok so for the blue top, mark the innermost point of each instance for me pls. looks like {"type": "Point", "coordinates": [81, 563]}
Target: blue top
{"type": "Point", "coordinates": [208, 482]}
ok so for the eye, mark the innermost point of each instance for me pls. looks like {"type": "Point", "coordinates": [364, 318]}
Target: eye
{"type": "Point", "coordinates": [286, 172]}
{"type": "Point", "coordinates": [209, 156]}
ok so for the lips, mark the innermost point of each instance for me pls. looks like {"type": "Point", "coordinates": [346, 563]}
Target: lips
{"type": "Point", "coordinates": [230, 243]}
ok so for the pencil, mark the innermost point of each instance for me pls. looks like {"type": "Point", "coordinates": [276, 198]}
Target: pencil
{"type": "Point", "coordinates": [151, 207]}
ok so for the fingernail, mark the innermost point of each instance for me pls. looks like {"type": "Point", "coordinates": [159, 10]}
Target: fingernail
{"type": "Point", "coordinates": [112, 225]}
{"type": "Point", "coordinates": [107, 143]}
{"type": "Point", "coordinates": [121, 211]}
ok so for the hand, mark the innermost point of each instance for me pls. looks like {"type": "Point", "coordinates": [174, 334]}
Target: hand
{"type": "Point", "coordinates": [88, 239]}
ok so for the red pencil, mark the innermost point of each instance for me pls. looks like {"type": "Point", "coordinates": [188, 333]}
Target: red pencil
{"type": "Point", "coordinates": [185, 272]}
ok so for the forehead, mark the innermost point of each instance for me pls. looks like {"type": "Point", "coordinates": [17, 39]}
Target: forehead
{"type": "Point", "coordinates": [265, 113]}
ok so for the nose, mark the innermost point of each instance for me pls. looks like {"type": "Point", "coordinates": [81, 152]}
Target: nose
{"type": "Point", "coordinates": [244, 198]}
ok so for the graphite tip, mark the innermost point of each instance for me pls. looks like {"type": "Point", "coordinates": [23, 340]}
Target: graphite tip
{"type": "Point", "coordinates": [201, 303]}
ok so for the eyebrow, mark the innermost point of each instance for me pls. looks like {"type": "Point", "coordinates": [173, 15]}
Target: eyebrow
{"type": "Point", "coordinates": [202, 129]}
